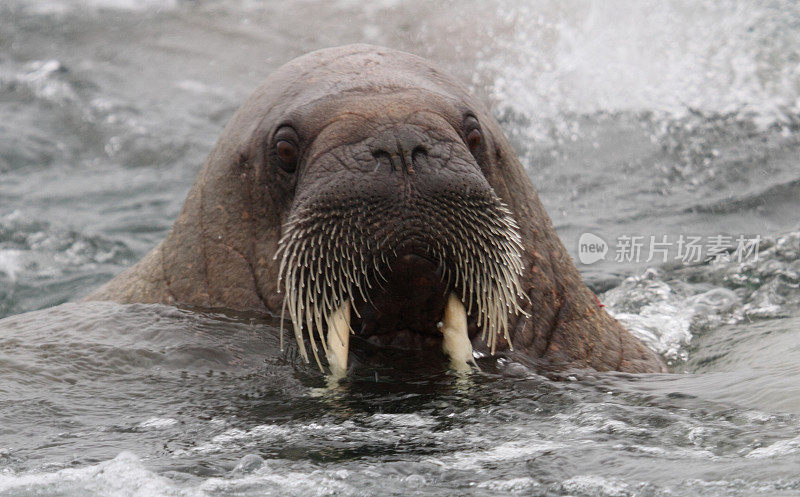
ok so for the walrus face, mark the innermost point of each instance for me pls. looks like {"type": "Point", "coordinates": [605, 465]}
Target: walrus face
{"type": "Point", "coordinates": [393, 229]}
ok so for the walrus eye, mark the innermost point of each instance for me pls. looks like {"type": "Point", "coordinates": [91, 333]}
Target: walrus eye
{"type": "Point", "coordinates": [474, 140]}
{"type": "Point", "coordinates": [473, 136]}
{"type": "Point", "coordinates": [286, 148]}
{"type": "Point", "coordinates": [286, 151]}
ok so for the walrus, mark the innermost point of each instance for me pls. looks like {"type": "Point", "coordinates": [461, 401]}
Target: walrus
{"type": "Point", "coordinates": [363, 191]}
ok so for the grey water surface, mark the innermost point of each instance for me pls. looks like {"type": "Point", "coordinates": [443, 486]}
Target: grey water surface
{"type": "Point", "coordinates": [651, 119]}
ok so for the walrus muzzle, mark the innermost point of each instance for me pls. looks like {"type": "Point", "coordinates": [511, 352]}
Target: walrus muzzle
{"type": "Point", "coordinates": [399, 238]}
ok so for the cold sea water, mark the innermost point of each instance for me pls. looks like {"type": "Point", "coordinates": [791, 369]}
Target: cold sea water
{"type": "Point", "coordinates": [644, 126]}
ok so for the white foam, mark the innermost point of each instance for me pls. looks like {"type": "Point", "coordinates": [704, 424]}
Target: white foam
{"type": "Point", "coordinates": [123, 476]}
{"type": "Point", "coordinates": [662, 316]}
{"type": "Point", "coordinates": [127, 476]}
{"type": "Point", "coordinates": [777, 449]}
{"type": "Point", "coordinates": [596, 485]}
{"type": "Point", "coordinates": [69, 6]}
{"type": "Point", "coordinates": [238, 437]}
{"type": "Point", "coordinates": [404, 420]}
{"type": "Point", "coordinates": [11, 263]}
{"type": "Point", "coordinates": [40, 76]}
{"type": "Point", "coordinates": [513, 485]}
{"type": "Point", "coordinates": [263, 482]}
{"type": "Point", "coordinates": [509, 451]}
{"type": "Point", "coordinates": [157, 423]}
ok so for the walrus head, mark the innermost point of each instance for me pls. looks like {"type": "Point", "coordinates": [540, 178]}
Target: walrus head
{"type": "Point", "coordinates": [362, 188]}
{"type": "Point", "coordinates": [391, 214]}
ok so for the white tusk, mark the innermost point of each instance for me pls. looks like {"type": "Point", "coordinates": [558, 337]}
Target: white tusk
{"type": "Point", "coordinates": [339, 340]}
{"type": "Point", "coordinates": [456, 343]}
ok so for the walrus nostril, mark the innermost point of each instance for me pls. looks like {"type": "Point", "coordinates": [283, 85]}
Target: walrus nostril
{"type": "Point", "coordinates": [419, 156]}
{"type": "Point", "coordinates": [399, 149]}
{"type": "Point", "coordinates": [383, 159]}
{"type": "Point", "coordinates": [398, 161]}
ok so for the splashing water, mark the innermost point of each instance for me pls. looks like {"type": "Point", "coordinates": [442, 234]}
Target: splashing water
{"type": "Point", "coordinates": [649, 118]}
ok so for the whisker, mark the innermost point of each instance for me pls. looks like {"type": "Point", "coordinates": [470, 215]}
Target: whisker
{"type": "Point", "coordinates": [331, 254]}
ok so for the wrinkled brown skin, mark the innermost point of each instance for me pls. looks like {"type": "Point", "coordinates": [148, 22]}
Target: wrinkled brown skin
{"type": "Point", "coordinates": [220, 250]}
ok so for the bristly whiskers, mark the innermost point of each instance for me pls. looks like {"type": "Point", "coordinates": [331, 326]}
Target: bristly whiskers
{"type": "Point", "coordinates": [332, 253]}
